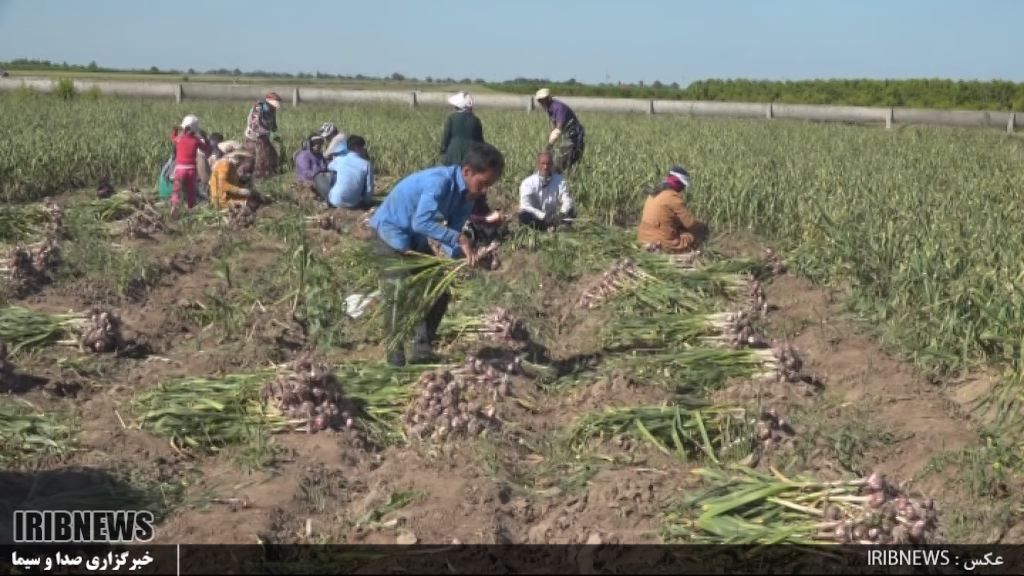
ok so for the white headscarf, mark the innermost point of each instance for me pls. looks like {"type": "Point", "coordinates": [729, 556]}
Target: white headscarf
{"type": "Point", "coordinates": [190, 122]}
{"type": "Point", "coordinates": [461, 101]}
{"type": "Point", "coordinates": [681, 175]}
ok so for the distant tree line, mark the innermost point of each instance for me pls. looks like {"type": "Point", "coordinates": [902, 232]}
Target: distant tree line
{"type": "Point", "coordinates": [915, 93]}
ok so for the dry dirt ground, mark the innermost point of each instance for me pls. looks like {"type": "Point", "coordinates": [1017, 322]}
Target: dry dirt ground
{"type": "Point", "coordinates": [866, 411]}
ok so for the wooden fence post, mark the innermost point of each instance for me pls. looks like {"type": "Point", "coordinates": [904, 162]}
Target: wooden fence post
{"type": "Point", "coordinates": [295, 96]}
{"type": "Point", "coordinates": [412, 99]}
{"type": "Point", "coordinates": [529, 104]}
{"type": "Point", "coordinates": [177, 94]}
{"type": "Point", "coordinates": [650, 107]}
{"type": "Point", "coordinates": [888, 118]}
{"type": "Point", "coordinates": [770, 112]}
{"type": "Point", "coordinates": [1011, 123]}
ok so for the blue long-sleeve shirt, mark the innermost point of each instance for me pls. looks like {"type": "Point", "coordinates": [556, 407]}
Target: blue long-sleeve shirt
{"type": "Point", "coordinates": [353, 184]}
{"type": "Point", "coordinates": [415, 209]}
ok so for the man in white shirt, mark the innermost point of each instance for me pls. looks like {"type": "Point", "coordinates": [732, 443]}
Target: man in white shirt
{"type": "Point", "coordinates": [544, 199]}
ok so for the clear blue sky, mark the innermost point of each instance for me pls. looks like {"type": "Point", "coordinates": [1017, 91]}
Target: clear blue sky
{"type": "Point", "coordinates": [590, 40]}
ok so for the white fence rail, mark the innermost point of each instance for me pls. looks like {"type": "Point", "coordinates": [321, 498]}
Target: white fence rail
{"type": "Point", "coordinates": [313, 94]}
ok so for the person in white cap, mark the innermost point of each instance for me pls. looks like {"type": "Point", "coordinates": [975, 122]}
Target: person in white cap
{"type": "Point", "coordinates": [261, 128]}
{"type": "Point", "coordinates": [335, 141]}
{"type": "Point", "coordinates": [566, 139]}
{"type": "Point", "coordinates": [461, 129]}
{"type": "Point", "coordinates": [666, 224]}
{"type": "Point", "coordinates": [187, 144]}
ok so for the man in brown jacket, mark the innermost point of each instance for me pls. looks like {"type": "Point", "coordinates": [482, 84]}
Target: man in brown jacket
{"type": "Point", "coordinates": [666, 223]}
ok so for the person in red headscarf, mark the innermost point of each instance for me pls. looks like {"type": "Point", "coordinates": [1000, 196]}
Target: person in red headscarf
{"type": "Point", "coordinates": [259, 131]}
{"type": "Point", "coordinates": [667, 225]}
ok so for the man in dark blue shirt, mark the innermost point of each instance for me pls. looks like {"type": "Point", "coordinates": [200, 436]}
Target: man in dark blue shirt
{"type": "Point", "coordinates": [567, 138]}
{"type": "Point", "coordinates": [432, 204]}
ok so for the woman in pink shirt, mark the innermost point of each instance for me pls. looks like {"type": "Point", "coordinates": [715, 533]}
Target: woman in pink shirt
{"type": "Point", "coordinates": [187, 142]}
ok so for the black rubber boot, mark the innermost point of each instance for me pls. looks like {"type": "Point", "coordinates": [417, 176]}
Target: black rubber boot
{"type": "Point", "coordinates": [396, 358]}
{"type": "Point", "coordinates": [435, 316]}
{"type": "Point", "coordinates": [422, 349]}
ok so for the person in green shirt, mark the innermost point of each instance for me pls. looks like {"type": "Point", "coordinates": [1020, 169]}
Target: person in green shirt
{"type": "Point", "coordinates": [461, 129]}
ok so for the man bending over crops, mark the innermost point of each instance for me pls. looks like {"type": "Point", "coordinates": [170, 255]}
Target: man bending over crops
{"type": "Point", "coordinates": [544, 200]}
{"type": "Point", "coordinates": [666, 224]}
{"type": "Point", "coordinates": [566, 131]}
{"type": "Point", "coordinates": [411, 216]}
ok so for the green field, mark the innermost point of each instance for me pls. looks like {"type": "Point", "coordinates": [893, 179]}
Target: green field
{"type": "Point", "coordinates": [924, 225]}
{"type": "Point", "coordinates": [917, 232]}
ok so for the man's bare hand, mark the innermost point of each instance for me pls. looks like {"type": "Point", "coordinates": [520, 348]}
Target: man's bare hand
{"type": "Point", "coordinates": [467, 249]}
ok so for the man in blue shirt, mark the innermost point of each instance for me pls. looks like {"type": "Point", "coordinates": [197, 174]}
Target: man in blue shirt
{"type": "Point", "coordinates": [432, 204]}
{"type": "Point", "coordinates": [353, 180]}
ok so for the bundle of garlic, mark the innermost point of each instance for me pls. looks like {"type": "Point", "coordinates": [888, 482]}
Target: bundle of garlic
{"type": "Point", "coordinates": [729, 329]}
{"type": "Point", "coordinates": [789, 363]}
{"type": "Point", "coordinates": [622, 275]}
{"type": "Point", "coordinates": [21, 269]}
{"type": "Point", "coordinates": [101, 331]}
{"type": "Point", "coordinates": [54, 219]}
{"type": "Point", "coordinates": [241, 215]}
{"type": "Point", "coordinates": [309, 394]}
{"type": "Point", "coordinates": [143, 223]}
{"type": "Point", "coordinates": [451, 403]}
{"type": "Point", "coordinates": [773, 430]}
{"type": "Point", "coordinates": [45, 255]}
{"type": "Point", "coordinates": [756, 297]}
{"type": "Point", "coordinates": [500, 325]}
{"type": "Point", "coordinates": [743, 506]}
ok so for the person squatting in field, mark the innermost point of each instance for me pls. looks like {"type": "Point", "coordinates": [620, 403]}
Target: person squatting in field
{"type": "Point", "coordinates": [410, 217]}
{"type": "Point", "coordinates": [309, 160]}
{"type": "Point", "coordinates": [187, 144]}
{"type": "Point", "coordinates": [666, 224]}
{"type": "Point", "coordinates": [226, 179]}
{"type": "Point", "coordinates": [260, 129]}
{"type": "Point", "coordinates": [352, 186]}
{"type": "Point", "coordinates": [544, 200]}
{"type": "Point", "coordinates": [567, 138]}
